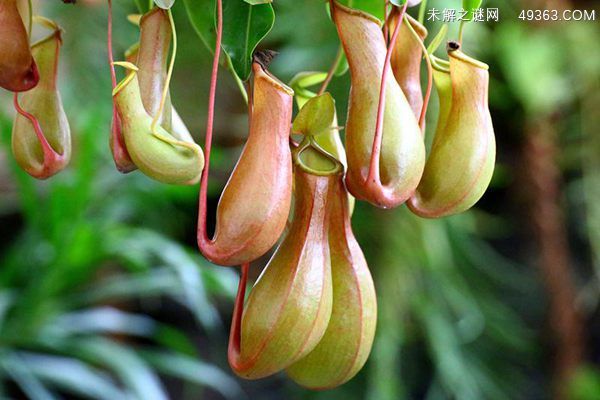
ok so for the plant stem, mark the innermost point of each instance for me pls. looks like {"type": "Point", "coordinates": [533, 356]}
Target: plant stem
{"type": "Point", "coordinates": [373, 176]}
{"type": "Point", "coordinates": [165, 92]}
{"type": "Point", "coordinates": [30, 19]}
{"type": "Point", "coordinates": [113, 75]}
{"type": "Point", "coordinates": [461, 28]}
{"type": "Point", "coordinates": [422, 11]}
{"type": "Point", "coordinates": [238, 81]}
{"type": "Point", "coordinates": [332, 69]}
{"type": "Point", "coordinates": [150, 4]}
{"type": "Point", "coordinates": [429, 75]}
{"type": "Point", "coordinates": [437, 39]}
{"type": "Point", "coordinates": [386, 33]}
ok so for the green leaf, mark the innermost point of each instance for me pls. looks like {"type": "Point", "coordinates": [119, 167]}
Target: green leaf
{"type": "Point", "coordinates": [438, 39]}
{"type": "Point", "coordinates": [303, 80]}
{"type": "Point", "coordinates": [244, 26]}
{"type": "Point", "coordinates": [201, 14]}
{"type": "Point", "coordinates": [254, 2]}
{"type": "Point", "coordinates": [140, 6]}
{"type": "Point", "coordinates": [316, 116]}
{"type": "Point", "coordinates": [307, 79]}
{"type": "Point", "coordinates": [398, 3]}
{"type": "Point", "coordinates": [164, 4]}
{"type": "Point", "coordinates": [470, 6]}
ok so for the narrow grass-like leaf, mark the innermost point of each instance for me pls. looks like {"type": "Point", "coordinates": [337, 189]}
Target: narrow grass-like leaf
{"type": "Point", "coordinates": [101, 320]}
{"type": "Point", "coordinates": [160, 281]}
{"type": "Point", "coordinates": [73, 376]}
{"type": "Point", "coordinates": [192, 370]}
{"type": "Point", "coordinates": [133, 371]}
{"type": "Point", "coordinates": [14, 366]}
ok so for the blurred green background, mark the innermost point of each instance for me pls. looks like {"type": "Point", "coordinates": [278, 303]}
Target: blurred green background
{"type": "Point", "coordinates": [104, 295]}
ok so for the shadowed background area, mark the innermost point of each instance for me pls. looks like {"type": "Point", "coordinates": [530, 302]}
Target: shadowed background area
{"type": "Point", "coordinates": [104, 295]}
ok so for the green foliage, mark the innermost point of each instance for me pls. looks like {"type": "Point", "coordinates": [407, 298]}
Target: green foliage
{"type": "Point", "coordinates": [585, 385]}
{"type": "Point", "coordinates": [201, 14]}
{"type": "Point", "coordinates": [440, 294]}
{"type": "Point", "coordinates": [316, 116]}
{"type": "Point", "coordinates": [244, 26]}
{"type": "Point", "coordinates": [61, 314]}
{"type": "Point", "coordinates": [470, 6]}
{"type": "Point", "coordinates": [141, 5]}
{"type": "Point", "coordinates": [535, 75]}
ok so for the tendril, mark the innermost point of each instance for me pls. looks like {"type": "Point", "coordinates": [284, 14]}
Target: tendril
{"type": "Point", "coordinates": [373, 176]}
{"type": "Point", "coordinates": [165, 92]}
{"type": "Point", "coordinates": [386, 33]}
{"type": "Point", "coordinates": [30, 18]}
{"type": "Point", "coordinates": [332, 69]}
{"type": "Point", "coordinates": [46, 147]}
{"type": "Point", "coordinates": [461, 28]}
{"type": "Point", "coordinates": [202, 207]}
{"type": "Point", "coordinates": [429, 75]}
{"type": "Point", "coordinates": [422, 10]}
{"type": "Point", "coordinates": [113, 75]}
{"type": "Point", "coordinates": [235, 333]}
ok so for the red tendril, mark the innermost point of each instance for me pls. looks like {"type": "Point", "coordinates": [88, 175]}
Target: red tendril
{"type": "Point", "coordinates": [202, 236]}
{"type": "Point", "coordinates": [49, 152]}
{"type": "Point", "coordinates": [117, 134]}
{"type": "Point", "coordinates": [373, 177]}
{"type": "Point", "coordinates": [235, 335]}
{"type": "Point", "coordinates": [113, 75]}
{"type": "Point", "coordinates": [427, 94]}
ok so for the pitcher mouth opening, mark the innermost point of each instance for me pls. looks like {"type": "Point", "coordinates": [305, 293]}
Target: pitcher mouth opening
{"type": "Point", "coordinates": [454, 51]}
{"type": "Point", "coordinates": [263, 58]}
